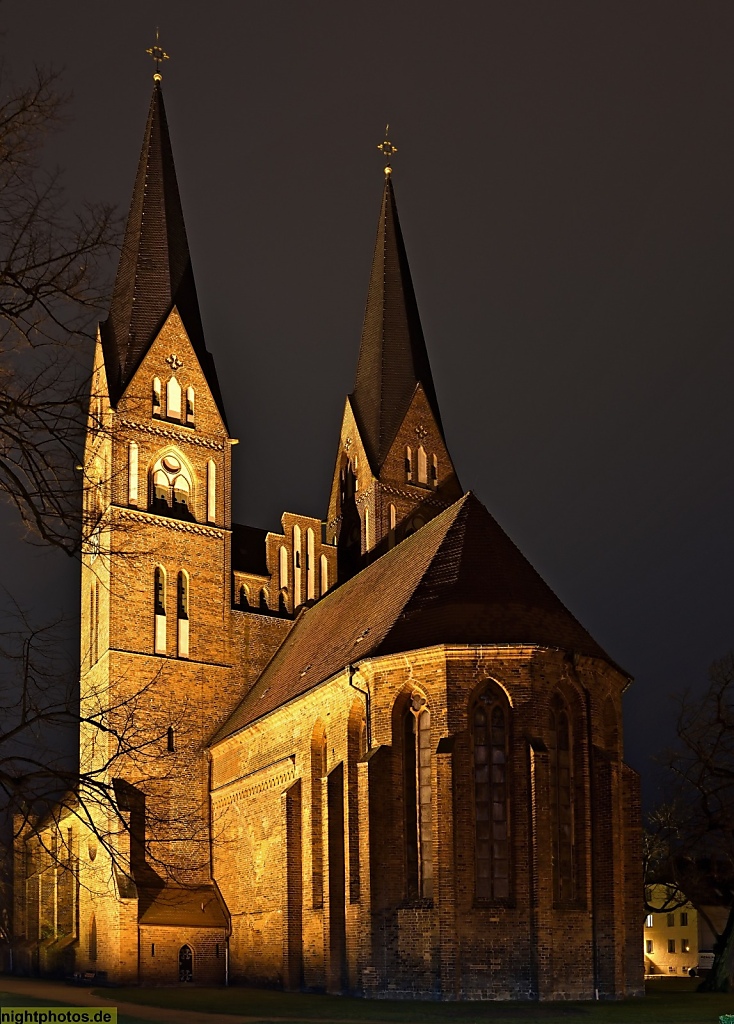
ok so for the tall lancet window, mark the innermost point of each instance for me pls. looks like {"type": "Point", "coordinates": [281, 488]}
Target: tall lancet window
{"type": "Point", "coordinates": [132, 473]}
{"type": "Point", "coordinates": [408, 463]}
{"type": "Point", "coordinates": [190, 397]}
{"type": "Point", "coordinates": [490, 739]}
{"type": "Point", "coordinates": [173, 399]}
{"type": "Point", "coordinates": [297, 598]}
{"type": "Point", "coordinates": [211, 491]}
{"type": "Point", "coordinates": [182, 614]}
{"type": "Point", "coordinates": [159, 603]}
{"type": "Point", "coordinates": [418, 798]}
{"type": "Point", "coordinates": [318, 772]}
{"type": "Point", "coordinates": [283, 566]}
{"type": "Point", "coordinates": [324, 574]}
{"type": "Point", "coordinates": [310, 565]}
{"type": "Point", "coordinates": [156, 396]}
{"type": "Point", "coordinates": [561, 802]}
{"type": "Point", "coordinates": [422, 466]}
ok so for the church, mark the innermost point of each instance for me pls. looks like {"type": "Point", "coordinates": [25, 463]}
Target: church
{"type": "Point", "coordinates": [371, 755]}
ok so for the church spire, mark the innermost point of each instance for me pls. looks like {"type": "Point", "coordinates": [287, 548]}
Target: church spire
{"type": "Point", "coordinates": [155, 272]}
{"type": "Point", "coordinates": [392, 357]}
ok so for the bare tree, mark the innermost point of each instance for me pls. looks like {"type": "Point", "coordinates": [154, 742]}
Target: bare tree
{"type": "Point", "coordinates": [54, 280]}
{"type": "Point", "coordinates": [693, 834]}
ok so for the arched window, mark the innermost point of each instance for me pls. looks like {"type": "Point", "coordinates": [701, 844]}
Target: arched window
{"type": "Point", "coordinates": [244, 596]}
{"type": "Point", "coordinates": [211, 491]}
{"type": "Point", "coordinates": [417, 792]}
{"type": "Point", "coordinates": [490, 741]}
{"type": "Point", "coordinates": [264, 604]}
{"type": "Point", "coordinates": [171, 488]}
{"type": "Point", "coordinates": [434, 470]}
{"type": "Point", "coordinates": [156, 396]}
{"type": "Point", "coordinates": [324, 574]}
{"type": "Point", "coordinates": [190, 406]}
{"type": "Point", "coordinates": [171, 737]}
{"type": "Point", "coordinates": [173, 399]}
{"type": "Point", "coordinates": [132, 473]}
{"type": "Point", "coordinates": [422, 466]}
{"type": "Point", "coordinates": [408, 463]}
{"type": "Point", "coordinates": [283, 565]}
{"type": "Point", "coordinates": [318, 772]}
{"type": "Point", "coordinates": [297, 598]}
{"type": "Point", "coordinates": [392, 522]}
{"type": "Point", "coordinates": [310, 565]}
{"type": "Point", "coordinates": [93, 939]}
{"type": "Point", "coordinates": [159, 601]}
{"type": "Point", "coordinates": [185, 964]}
{"type": "Point", "coordinates": [367, 544]}
{"type": "Point", "coordinates": [561, 799]}
{"type": "Point", "coordinates": [182, 614]}
{"type": "Point", "coordinates": [356, 749]}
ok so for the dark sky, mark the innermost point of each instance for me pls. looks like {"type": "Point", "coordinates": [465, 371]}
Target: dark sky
{"type": "Point", "coordinates": [564, 180]}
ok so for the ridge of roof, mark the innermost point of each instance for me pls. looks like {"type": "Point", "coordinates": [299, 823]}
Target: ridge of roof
{"type": "Point", "coordinates": [393, 358]}
{"type": "Point", "coordinates": [154, 274]}
{"type": "Point", "coordinates": [457, 580]}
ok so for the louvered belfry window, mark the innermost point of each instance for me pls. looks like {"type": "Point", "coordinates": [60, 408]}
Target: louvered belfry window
{"type": "Point", "coordinates": [490, 726]}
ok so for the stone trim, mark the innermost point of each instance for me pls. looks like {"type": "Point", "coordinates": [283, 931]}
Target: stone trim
{"type": "Point", "coordinates": [173, 524]}
{"type": "Point", "coordinates": [184, 434]}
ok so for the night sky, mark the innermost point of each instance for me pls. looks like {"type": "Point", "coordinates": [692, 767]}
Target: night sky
{"type": "Point", "coordinates": [564, 178]}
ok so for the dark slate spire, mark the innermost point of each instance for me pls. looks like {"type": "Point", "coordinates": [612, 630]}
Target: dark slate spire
{"type": "Point", "coordinates": [155, 272]}
{"type": "Point", "coordinates": [392, 355]}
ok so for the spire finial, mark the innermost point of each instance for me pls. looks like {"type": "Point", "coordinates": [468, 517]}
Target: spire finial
{"type": "Point", "coordinates": [159, 55]}
{"type": "Point", "coordinates": [388, 150]}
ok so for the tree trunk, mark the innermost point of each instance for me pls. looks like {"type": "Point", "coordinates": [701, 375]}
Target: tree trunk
{"type": "Point", "coordinates": [719, 977]}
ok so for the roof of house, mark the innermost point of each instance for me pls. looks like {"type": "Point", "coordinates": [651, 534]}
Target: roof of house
{"type": "Point", "coordinates": [392, 356]}
{"type": "Point", "coordinates": [458, 580]}
{"type": "Point", "coordinates": [155, 272]}
{"type": "Point", "coordinates": [198, 906]}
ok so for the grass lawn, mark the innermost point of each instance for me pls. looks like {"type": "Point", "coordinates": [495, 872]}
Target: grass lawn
{"type": "Point", "coordinates": [666, 1003]}
{"type": "Point", "coordinates": [12, 999]}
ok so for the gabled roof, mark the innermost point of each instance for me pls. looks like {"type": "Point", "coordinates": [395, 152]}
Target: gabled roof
{"type": "Point", "coordinates": [458, 580]}
{"type": "Point", "coordinates": [392, 357]}
{"type": "Point", "coordinates": [155, 272]}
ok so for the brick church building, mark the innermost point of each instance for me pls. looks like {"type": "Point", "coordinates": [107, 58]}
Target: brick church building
{"type": "Point", "coordinates": [373, 754]}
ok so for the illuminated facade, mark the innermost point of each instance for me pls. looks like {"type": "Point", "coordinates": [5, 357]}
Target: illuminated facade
{"type": "Point", "coordinates": [374, 754]}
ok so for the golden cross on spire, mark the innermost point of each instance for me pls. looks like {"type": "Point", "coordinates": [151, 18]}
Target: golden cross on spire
{"type": "Point", "coordinates": [388, 150]}
{"type": "Point", "coordinates": [159, 55]}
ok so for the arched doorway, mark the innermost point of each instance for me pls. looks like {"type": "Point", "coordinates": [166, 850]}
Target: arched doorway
{"type": "Point", "coordinates": [185, 964]}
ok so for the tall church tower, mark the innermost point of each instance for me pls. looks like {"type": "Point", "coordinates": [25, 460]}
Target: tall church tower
{"type": "Point", "coordinates": [156, 571]}
{"type": "Point", "coordinates": [393, 471]}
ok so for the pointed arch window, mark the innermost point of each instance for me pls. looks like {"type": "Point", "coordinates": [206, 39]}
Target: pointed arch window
{"type": "Point", "coordinates": [244, 596]}
{"type": "Point", "coordinates": [490, 742]}
{"type": "Point", "coordinates": [418, 798]}
{"type": "Point", "coordinates": [367, 540]}
{"type": "Point", "coordinates": [297, 598]}
{"type": "Point", "coordinates": [173, 399]}
{"type": "Point", "coordinates": [408, 463]}
{"type": "Point", "coordinates": [324, 574]}
{"type": "Point", "coordinates": [171, 488]}
{"type": "Point", "coordinates": [132, 473]}
{"type": "Point", "coordinates": [93, 939]}
{"type": "Point", "coordinates": [190, 399]}
{"type": "Point", "coordinates": [159, 603]}
{"type": "Point", "coordinates": [310, 565]}
{"type": "Point", "coordinates": [171, 740]}
{"type": "Point", "coordinates": [434, 470]}
{"type": "Point", "coordinates": [211, 491]}
{"type": "Point", "coordinates": [562, 811]}
{"type": "Point", "coordinates": [318, 773]}
{"type": "Point", "coordinates": [156, 396]}
{"type": "Point", "coordinates": [283, 566]}
{"type": "Point", "coordinates": [422, 465]}
{"type": "Point", "coordinates": [182, 613]}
